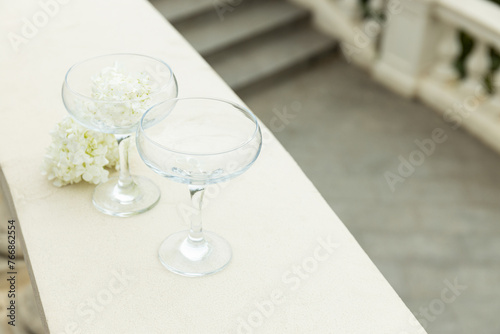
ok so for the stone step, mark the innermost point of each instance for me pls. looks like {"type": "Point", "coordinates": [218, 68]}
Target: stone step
{"type": "Point", "coordinates": [214, 30]}
{"type": "Point", "coordinates": [178, 10]}
{"type": "Point", "coordinates": [273, 53]}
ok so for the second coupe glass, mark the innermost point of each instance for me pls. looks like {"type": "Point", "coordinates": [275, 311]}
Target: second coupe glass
{"type": "Point", "coordinates": [198, 141]}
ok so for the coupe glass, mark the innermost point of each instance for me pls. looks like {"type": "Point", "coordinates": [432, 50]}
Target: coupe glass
{"type": "Point", "coordinates": [198, 141]}
{"type": "Point", "coordinates": [118, 113]}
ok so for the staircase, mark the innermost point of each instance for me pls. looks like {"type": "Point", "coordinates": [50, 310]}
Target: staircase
{"type": "Point", "coordinates": [247, 41]}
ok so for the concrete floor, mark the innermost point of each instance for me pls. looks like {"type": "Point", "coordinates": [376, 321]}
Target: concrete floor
{"type": "Point", "coordinates": [439, 227]}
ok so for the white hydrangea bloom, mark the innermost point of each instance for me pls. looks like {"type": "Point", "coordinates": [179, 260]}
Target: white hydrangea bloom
{"type": "Point", "coordinates": [78, 153]}
{"type": "Point", "coordinates": [128, 95]}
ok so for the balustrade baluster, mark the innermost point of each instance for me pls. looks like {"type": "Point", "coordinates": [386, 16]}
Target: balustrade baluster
{"type": "Point", "coordinates": [494, 102]}
{"type": "Point", "coordinates": [448, 50]}
{"type": "Point", "coordinates": [373, 24]}
{"type": "Point", "coordinates": [477, 66]}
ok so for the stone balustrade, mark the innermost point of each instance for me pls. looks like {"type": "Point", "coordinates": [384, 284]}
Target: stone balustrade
{"type": "Point", "coordinates": [416, 48]}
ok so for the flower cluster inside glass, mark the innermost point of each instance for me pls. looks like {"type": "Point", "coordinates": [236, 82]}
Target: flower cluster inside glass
{"type": "Point", "coordinates": [195, 141]}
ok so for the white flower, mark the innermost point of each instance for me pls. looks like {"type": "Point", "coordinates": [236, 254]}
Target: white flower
{"type": "Point", "coordinates": [128, 95]}
{"type": "Point", "coordinates": [78, 153]}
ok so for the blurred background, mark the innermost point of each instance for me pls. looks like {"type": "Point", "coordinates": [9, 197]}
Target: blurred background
{"type": "Point", "coordinates": [391, 108]}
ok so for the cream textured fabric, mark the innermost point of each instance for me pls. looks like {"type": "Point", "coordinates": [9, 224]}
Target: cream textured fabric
{"type": "Point", "coordinates": [101, 274]}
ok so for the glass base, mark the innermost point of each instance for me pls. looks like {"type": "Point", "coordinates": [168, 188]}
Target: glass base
{"type": "Point", "coordinates": [184, 257]}
{"type": "Point", "coordinates": [137, 198]}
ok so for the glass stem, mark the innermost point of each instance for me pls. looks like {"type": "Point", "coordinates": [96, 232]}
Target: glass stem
{"type": "Point", "coordinates": [126, 191]}
{"type": "Point", "coordinates": [124, 179]}
{"type": "Point", "coordinates": [195, 232]}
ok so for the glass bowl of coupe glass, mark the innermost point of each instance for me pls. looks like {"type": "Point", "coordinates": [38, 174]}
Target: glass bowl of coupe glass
{"type": "Point", "coordinates": [110, 94]}
{"type": "Point", "coordinates": [198, 142]}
